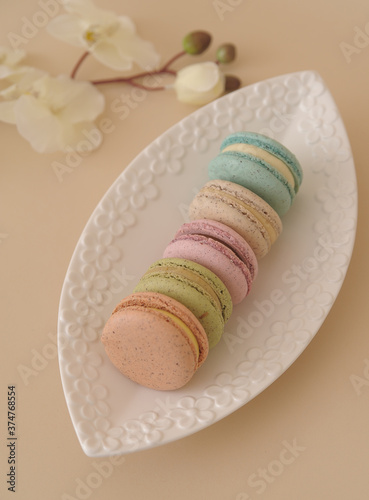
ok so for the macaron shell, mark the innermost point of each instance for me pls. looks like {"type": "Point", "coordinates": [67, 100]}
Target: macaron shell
{"type": "Point", "coordinates": [147, 346]}
{"type": "Point", "coordinates": [128, 337]}
{"type": "Point", "coordinates": [262, 154]}
{"type": "Point", "coordinates": [270, 145]}
{"type": "Point", "coordinates": [256, 175]}
{"type": "Point", "coordinates": [178, 278]}
{"type": "Point", "coordinates": [165, 303]}
{"type": "Point", "coordinates": [225, 235]}
{"type": "Point", "coordinates": [218, 258]}
{"type": "Point", "coordinates": [200, 275]}
{"type": "Point", "coordinates": [226, 202]}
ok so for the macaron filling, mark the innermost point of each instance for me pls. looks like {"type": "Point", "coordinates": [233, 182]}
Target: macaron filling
{"type": "Point", "coordinates": [194, 286]}
{"type": "Point", "coordinates": [217, 257]}
{"type": "Point", "coordinates": [271, 159]}
{"type": "Point", "coordinates": [236, 201]}
{"type": "Point", "coordinates": [272, 146]}
{"type": "Point", "coordinates": [186, 275]}
{"type": "Point", "coordinates": [184, 328]}
{"type": "Point", "coordinates": [224, 235]}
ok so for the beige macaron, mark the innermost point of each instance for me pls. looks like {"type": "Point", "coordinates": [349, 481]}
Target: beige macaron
{"type": "Point", "coordinates": [242, 210]}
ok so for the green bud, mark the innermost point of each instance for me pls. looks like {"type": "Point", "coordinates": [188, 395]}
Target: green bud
{"type": "Point", "coordinates": [196, 42]}
{"type": "Point", "coordinates": [232, 83]}
{"type": "Point", "coordinates": [226, 53]}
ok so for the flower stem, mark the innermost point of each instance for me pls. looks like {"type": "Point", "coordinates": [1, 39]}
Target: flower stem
{"type": "Point", "coordinates": [78, 64]}
{"type": "Point", "coordinates": [131, 80]}
{"type": "Point", "coordinates": [173, 59]}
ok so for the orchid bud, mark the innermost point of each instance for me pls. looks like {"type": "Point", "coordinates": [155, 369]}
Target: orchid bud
{"type": "Point", "coordinates": [196, 42]}
{"type": "Point", "coordinates": [232, 83]}
{"type": "Point", "coordinates": [226, 53]}
{"type": "Point", "coordinates": [199, 83]}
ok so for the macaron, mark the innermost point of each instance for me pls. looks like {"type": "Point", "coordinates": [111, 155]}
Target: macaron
{"type": "Point", "coordinates": [261, 164]}
{"type": "Point", "coordinates": [240, 209]}
{"type": "Point", "coordinates": [220, 249]}
{"type": "Point", "coordinates": [155, 341]}
{"type": "Point", "coordinates": [194, 286]}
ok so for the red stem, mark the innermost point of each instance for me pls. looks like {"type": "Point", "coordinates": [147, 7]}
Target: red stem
{"type": "Point", "coordinates": [78, 64]}
{"type": "Point", "coordinates": [173, 59]}
{"type": "Point", "coordinates": [131, 79]}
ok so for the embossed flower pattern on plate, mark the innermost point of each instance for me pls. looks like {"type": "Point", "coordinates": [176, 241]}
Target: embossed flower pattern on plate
{"type": "Point", "coordinates": [90, 399]}
{"type": "Point", "coordinates": [147, 429]}
{"type": "Point", "coordinates": [115, 215]}
{"type": "Point", "coordinates": [319, 124]}
{"type": "Point", "coordinates": [81, 322]}
{"type": "Point", "coordinates": [80, 361]}
{"type": "Point", "coordinates": [336, 195]}
{"type": "Point", "coordinates": [87, 284]}
{"type": "Point", "coordinates": [138, 187]}
{"type": "Point", "coordinates": [260, 364]}
{"type": "Point", "coordinates": [328, 156]}
{"type": "Point", "coordinates": [303, 89]}
{"type": "Point", "coordinates": [165, 157]}
{"type": "Point", "coordinates": [98, 435]}
{"type": "Point", "coordinates": [338, 226]}
{"type": "Point", "coordinates": [235, 116]}
{"type": "Point", "coordinates": [311, 303]}
{"type": "Point", "coordinates": [191, 411]}
{"type": "Point", "coordinates": [228, 389]}
{"type": "Point", "coordinates": [288, 336]}
{"type": "Point", "coordinates": [99, 249]}
{"type": "Point", "coordinates": [198, 132]}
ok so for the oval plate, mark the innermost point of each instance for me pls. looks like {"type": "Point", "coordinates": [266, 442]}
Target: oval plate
{"type": "Point", "coordinates": [297, 284]}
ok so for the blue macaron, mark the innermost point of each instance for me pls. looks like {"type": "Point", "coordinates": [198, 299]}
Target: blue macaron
{"type": "Point", "coordinates": [260, 164]}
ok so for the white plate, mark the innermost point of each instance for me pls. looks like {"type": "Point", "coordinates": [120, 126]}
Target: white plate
{"type": "Point", "coordinates": [298, 280]}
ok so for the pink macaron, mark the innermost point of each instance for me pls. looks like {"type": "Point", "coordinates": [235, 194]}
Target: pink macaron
{"type": "Point", "coordinates": [220, 249]}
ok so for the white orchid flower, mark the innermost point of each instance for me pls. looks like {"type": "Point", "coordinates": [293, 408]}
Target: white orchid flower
{"type": "Point", "coordinates": [9, 61]}
{"type": "Point", "coordinates": [111, 39]}
{"type": "Point", "coordinates": [18, 83]}
{"type": "Point", "coordinates": [199, 83]}
{"type": "Point", "coordinates": [54, 114]}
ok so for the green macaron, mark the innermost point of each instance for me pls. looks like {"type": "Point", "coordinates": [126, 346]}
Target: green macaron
{"type": "Point", "coordinates": [196, 287]}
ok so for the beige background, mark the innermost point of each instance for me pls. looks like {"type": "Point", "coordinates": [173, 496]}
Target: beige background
{"type": "Point", "coordinates": [314, 404]}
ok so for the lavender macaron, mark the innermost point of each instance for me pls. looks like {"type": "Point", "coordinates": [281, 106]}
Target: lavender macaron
{"type": "Point", "coordinates": [220, 249]}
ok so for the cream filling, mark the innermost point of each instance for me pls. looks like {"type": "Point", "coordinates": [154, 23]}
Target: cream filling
{"type": "Point", "coordinates": [184, 328]}
{"type": "Point", "coordinates": [275, 162]}
{"type": "Point", "coordinates": [270, 229]}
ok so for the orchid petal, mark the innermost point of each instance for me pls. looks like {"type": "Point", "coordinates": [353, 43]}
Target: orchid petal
{"type": "Point", "coordinates": [110, 55]}
{"type": "Point", "coordinates": [9, 60]}
{"type": "Point", "coordinates": [73, 101]}
{"type": "Point", "coordinates": [85, 9]}
{"type": "Point", "coordinates": [5, 71]}
{"type": "Point", "coordinates": [57, 114]}
{"type": "Point", "coordinates": [11, 57]}
{"type": "Point", "coordinates": [68, 28]}
{"type": "Point", "coordinates": [110, 38]}
{"type": "Point", "coordinates": [37, 124]}
{"type": "Point", "coordinates": [138, 50]}
{"type": "Point", "coordinates": [86, 105]}
{"type": "Point", "coordinates": [127, 24]}
{"type": "Point", "coordinates": [22, 80]}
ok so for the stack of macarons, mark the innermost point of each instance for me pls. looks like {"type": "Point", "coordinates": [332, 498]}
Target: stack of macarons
{"type": "Point", "coordinates": [161, 334]}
